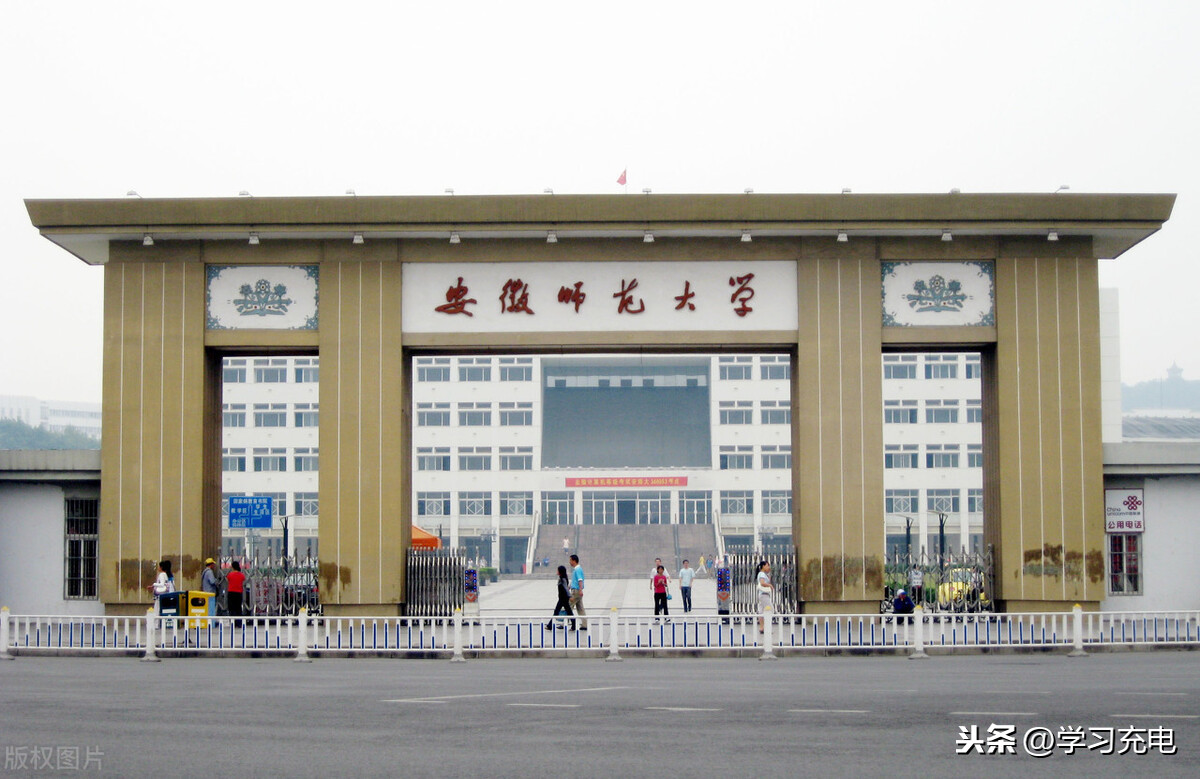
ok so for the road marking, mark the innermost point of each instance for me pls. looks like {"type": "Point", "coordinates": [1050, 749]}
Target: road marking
{"type": "Point", "coordinates": [993, 714]}
{"type": "Point", "coordinates": [829, 711]}
{"type": "Point", "coordinates": [1172, 694]}
{"type": "Point", "coordinates": [1155, 716]}
{"type": "Point", "coordinates": [548, 705]}
{"type": "Point", "coordinates": [676, 708]}
{"type": "Point", "coordinates": [444, 698]}
{"type": "Point", "coordinates": [1015, 692]}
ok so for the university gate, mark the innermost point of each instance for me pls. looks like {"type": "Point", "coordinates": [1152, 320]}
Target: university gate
{"type": "Point", "coordinates": [834, 281]}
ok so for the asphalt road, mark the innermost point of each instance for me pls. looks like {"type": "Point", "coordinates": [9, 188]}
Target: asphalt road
{"type": "Point", "coordinates": [828, 716]}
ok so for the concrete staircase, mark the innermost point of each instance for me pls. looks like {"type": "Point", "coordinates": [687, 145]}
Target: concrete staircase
{"type": "Point", "coordinates": [624, 550]}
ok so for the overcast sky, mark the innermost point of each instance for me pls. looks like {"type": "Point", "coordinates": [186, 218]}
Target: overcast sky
{"type": "Point", "coordinates": [207, 99]}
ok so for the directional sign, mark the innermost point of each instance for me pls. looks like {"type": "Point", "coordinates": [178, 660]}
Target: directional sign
{"type": "Point", "coordinates": [248, 511]}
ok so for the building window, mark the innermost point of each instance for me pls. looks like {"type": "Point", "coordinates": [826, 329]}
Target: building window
{"type": "Point", "coordinates": [308, 370]}
{"type": "Point", "coordinates": [776, 458]}
{"type": "Point", "coordinates": [516, 369]}
{"type": "Point", "coordinates": [941, 412]}
{"type": "Point", "coordinates": [974, 412]}
{"type": "Point", "coordinates": [233, 460]}
{"type": "Point", "coordinates": [433, 415]}
{"type": "Point", "coordinates": [433, 369]}
{"type": "Point", "coordinates": [776, 412]}
{"type": "Point", "coordinates": [900, 456]}
{"type": "Point", "coordinates": [974, 368]}
{"type": "Point", "coordinates": [269, 460]}
{"type": "Point", "coordinates": [558, 508]}
{"type": "Point", "coordinates": [942, 501]}
{"type": "Point", "coordinates": [740, 412]}
{"type": "Point", "coordinates": [431, 504]}
{"type": "Point", "coordinates": [775, 368]}
{"type": "Point", "coordinates": [901, 501]}
{"type": "Point", "coordinates": [475, 458]}
{"type": "Point", "coordinates": [475, 369]}
{"type": "Point", "coordinates": [516, 414]}
{"type": "Point", "coordinates": [307, 504]}
{"type": "Point", "coordinates": [306, 458]}
{"type": "Point", "coordinates": [82, 534]}
{"type": "Point", "coordinates": [975, 501]}
{"type": "Point", "coordinates": [695, 507]}
{"type": "Point", "coordinates": [516, 504]}
{"type": "Point", "coordinates": [899, 366]}
{"type": "Point", "coordinates": [475, 504]}
{"type": "Point", "coordinates": [974, 455]}
{"type": "Point", "coordinates": [941, 456]}
{"type": "Point", "coordinates": [900, 412]}
{"type": "Point", "coordinates": [233, 372]}
{"type": "Point", "coordinates": [737, 502]}
{"type": "Point", "coordinates": [737, 458]}
{"type": "Point", "coordinates": [1124, 564]}
{"type": "Point", "coordinates": [777, 501]}
{"type": "Point", "coordinates": [433, 458]}
{"type": "Point", "coordinates": [941, 366]}
{"type": "Point", "coordinates": [735, 368]}
{"type": "Point", "coordinates": [474, 414]}
{"type": "Point", "coordinates": [307, 415]}
{"type": "Point", "coordinates": [270, 415]}
{"type": "Point", "coordinates": [271, 371]}
{"type": "Point", "coordinates": [516, 458]}
{"type": "Point", "coordinates": [233, 415]}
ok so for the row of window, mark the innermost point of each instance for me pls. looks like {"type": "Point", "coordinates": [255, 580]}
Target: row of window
{"type": "Point", "coordinates": [271, 370]}
{"type": "Point", "coordinates": [738, 458]}
{"type": "Point", "coordinates": [271, 414]}
{"type": "Point", "coordinates": [475, 458]}
{"type": "Point", "coordinates": [741, 412]}
{"type": "Point", "coordinates": [438, 369]}
{"type": "Point", "coordinates": [936, 456]}
{"type": "Point", "coordinates": [937, 412]}
{"type": "Point", "coordinates": [932, 366]}
{"type": "Point", "coordinates": [741, 368]}
{"type": "Point", "coordinates": [941, 501]}
{"type": "Point", "coordinates": [475, 414]}
{"type": "Point", "coordinates": [607, 508]}
{"type": "Point", "coordinates": [270, 459]}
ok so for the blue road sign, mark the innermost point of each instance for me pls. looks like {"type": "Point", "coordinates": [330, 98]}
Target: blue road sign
{"type": "Point", "coordinates": [249, 511]}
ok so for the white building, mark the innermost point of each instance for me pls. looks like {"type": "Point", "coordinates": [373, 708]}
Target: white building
{"type": "Point", "coordinates": [53, 415]}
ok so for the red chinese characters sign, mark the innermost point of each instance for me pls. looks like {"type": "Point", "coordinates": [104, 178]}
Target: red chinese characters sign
{"type": "Point", "coordinates": [628, 481]}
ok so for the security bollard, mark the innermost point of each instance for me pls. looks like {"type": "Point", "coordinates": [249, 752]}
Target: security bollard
{"type": "Point", "coordinates": [768, 617]}
{"type": "Point", "coordinates": [302, 629]}
{"type": "Point", "coordinates": [613, 653]}
{"type": "Point", "coordinates": [1077, 632]}
{"type": "Point", "coordinates": [151, 655]}
{"type": "Point", "coordinates": [4, 635]}
{"type": "Point", "coordinates": [458, 650]}
{"type": "Point", "coordinates": [918, 652]}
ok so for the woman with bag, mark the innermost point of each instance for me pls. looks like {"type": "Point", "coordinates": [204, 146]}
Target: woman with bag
{"type": "Point", "coordinates": [564, 599]}
{"type": "Point", "coordinates": [163, 583]}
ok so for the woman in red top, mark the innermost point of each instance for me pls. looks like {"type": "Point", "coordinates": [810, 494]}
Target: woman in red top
{"type": "Point", "coordinates": [659, 583]}
{"type": "Point", "coordinates": [235, 581]}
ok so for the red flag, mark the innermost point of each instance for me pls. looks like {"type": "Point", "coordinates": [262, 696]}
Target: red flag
{"type": "Point", "coordinates": [621, 179]}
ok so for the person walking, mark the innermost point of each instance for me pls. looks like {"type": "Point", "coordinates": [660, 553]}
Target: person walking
{"type": "Point", "coordinates": [659, 585]}
{"type": "Point", "coordinates": [654, 570]}
{"type": "Point", "coordinates": [686, 574]}
{"type": "Point", "coordinates": [577, 593]}
{"type": "Point", "coordinates": [235, 582]}
{"type": "Point", "coordinates": [564, 600]}
{"type": "Point", "coordinates": [163, 583]}
{"type": "Point", "coordinates": [765, 588]}
{"type": "Point", "coordinates": [210, 581]}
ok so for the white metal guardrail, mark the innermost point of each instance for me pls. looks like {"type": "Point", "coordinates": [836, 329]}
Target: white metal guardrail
{"type": "Point", "coordinates": [611, 634]}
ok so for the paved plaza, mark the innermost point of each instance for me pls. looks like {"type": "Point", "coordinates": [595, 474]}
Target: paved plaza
{"type": "Point", "coordinates": [696, 717]}
{"type": "Point", "coordinates": [633, 596]}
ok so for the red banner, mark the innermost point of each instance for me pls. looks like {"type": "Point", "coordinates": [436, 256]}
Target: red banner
{"type": "Point", "coordinates": [628, 481]}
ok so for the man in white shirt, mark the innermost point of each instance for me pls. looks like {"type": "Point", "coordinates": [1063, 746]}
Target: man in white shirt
{"type": "Point", "coordinates": [685, 585]}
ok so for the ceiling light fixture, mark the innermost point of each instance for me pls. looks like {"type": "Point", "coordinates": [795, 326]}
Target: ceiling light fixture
{"type": "Point", "coordinates": [947, 235]}
{"type": "Point", "coordinates": [454, 238]}
{"type": "Point", "coordinates": [1052, 235]}
{"type": "Point", "coordinates": [254, 239]}
{"type": "Point", "coordinates": [648, 237]}
{"type": "Point", "coordinates": [842, 237]}
{"type": "Point", "coordinates": [357, 239]}
{"type": "Point", "coordinates": [746, 236]}
{"type": "Point", "coordinates": [551, 237]}
{"type": "Point", "coordinates": [147, 240]}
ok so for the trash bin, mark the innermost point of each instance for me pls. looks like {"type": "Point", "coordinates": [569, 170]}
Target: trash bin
{"type": "Point", "coordinates": [168, 604]}
{"type": "Point", "coordinates": [200, 604]}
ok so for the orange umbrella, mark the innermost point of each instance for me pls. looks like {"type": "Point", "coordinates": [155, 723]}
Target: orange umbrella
{"type": "Point", "coordinates": [424, 540]}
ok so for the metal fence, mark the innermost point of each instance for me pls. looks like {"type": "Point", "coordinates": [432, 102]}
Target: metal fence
{"type": "Point", "coordinates": [743, 573]}
{"type": "Point", "coordinates": [278, 586]}
{"type": "Point", "coordinates": [499, 634]}
{"type": "Point", "coordinates": [959, 582]}
{"type": "Point", "coordinates": [435, 582]}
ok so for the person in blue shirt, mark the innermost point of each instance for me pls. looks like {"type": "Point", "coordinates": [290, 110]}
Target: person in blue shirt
{"type": "Point", "coordinates": [903, 604]}
{"type": "Point", "coordinates": [577, 592]}
{"type": "Point", "coordinates": [686, 574]}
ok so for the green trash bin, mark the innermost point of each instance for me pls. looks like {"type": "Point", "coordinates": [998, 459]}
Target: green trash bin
{"type": "Point", "coordinates": [200, 604]}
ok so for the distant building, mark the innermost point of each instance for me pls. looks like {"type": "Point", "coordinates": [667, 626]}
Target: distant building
{"type": "Point", "coordinates": [53, 415]}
